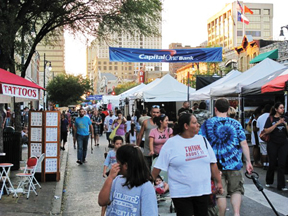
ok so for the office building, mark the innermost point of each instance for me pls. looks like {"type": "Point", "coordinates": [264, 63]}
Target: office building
{"type": "Point", "coordinates": [98, 56]}
{"type": "Point", "coordinates": [225, 30]}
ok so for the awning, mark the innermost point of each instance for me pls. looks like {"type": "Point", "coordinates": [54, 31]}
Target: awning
{"type": "Point", "coordinates": [271, 54]}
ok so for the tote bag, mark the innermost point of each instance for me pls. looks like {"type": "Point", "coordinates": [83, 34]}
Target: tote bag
{"type": "Point", "coordinates": [113, 133]}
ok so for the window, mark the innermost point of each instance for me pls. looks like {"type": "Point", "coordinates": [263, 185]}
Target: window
{"type": "Point", "coordinates": [104, 62]}
{"type": "Point", "coordinates": [254, 33]}
{"type": "Point", "coordinates": [266, 18]}
{"type": "Point", "coordinates": [266, 26]}
{"type": "Point", "coordinates": [266, 34]}
{"type": "Point", "coordinates": [110, 63]}
{"type": "Point", "coordinates": [115, 67]}
{"type": "Point", "coordinates": [99, 62]}
{"type": "Point", "coordinates": [105, 68]}
{"type": "Point", "coordinates": [240, 33]}
{"type": "Point", "coordinates": [254, 18]}
{"type": "Point", "coordinates": [266, 11]}
{"type": "Point", "coordinates": [110, 67]}
{"type": "Point", "coordinates": [99, 67]}
{"type": "Point", "coordinates": [130, 67]}
{"type": "Point", "coordinates": [256, 11]}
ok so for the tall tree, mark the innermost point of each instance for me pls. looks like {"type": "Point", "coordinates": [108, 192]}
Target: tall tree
{"type": "Point", "coordinates": [19, 18]}
{"type": "Point", "coordinates": [66, 89]}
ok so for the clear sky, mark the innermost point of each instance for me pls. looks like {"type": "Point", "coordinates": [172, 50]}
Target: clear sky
{"type": "Point", "coordinates": [184, 21]}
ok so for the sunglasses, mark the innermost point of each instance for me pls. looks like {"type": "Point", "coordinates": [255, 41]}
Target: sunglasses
{"type": "Point", "coordinates": [162, 116]}
{"type": "Point", "coordinates": [156, 106]}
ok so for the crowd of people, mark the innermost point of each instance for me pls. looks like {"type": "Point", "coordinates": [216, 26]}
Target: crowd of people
{"type": "Point", "coordinates": [201, 154]}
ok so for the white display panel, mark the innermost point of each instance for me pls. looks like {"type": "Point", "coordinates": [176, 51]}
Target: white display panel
{"type": "Point", "coordinates": [52, 119]}
{"type": "Point", "coordinates": [51, 134]}
{"type": "Point", "coordinates": [36, 149]}
{"type": "Point", "coordinates": [36, 119]}
{"type": "Point", "coordinates": [51, 165]}
{"type": "Point", "coordinates": [51, 149]}
{"type": "Point", "coordinates": [36, 135]}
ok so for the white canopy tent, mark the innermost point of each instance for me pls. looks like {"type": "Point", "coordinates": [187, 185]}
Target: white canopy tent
{"type": "Point", "coordinates": [204, 93]}
{"type": "Point", "coordinates": [139, 93]}
{"type": "Point", "coordinates": [114, 100]}
{"type": "Point", "coordinates": [131, 91]}
{"type": "Point", "coordinates": [234, 86]}
{"type": "Point", "coordinates": [167, 89]}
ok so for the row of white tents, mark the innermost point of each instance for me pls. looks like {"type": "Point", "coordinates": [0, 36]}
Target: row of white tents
{"type": "Point", "coordinates": [234, 81]}
{"type": "Point", "coordinates": [168, 89]}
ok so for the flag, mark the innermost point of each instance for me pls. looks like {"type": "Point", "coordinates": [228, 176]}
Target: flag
{"type": "Point", "coordinates": [242, 18]}
{"type": "Point", "coordinates": [240, 7]}
{"type": "Point", "coordinates": [247, 10]}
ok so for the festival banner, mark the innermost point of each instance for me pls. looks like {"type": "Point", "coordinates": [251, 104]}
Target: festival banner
{"type": "Point", "coordinates": [165, 55]}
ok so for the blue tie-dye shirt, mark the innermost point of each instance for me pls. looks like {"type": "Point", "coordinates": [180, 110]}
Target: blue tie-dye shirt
{"type": "Point", "coordinates": [225, 135]}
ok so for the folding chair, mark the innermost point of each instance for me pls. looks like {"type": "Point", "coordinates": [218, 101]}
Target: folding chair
{"type": "Point", "coordinates": [39, 163]}
{"type": "Point", "coordinates": [27, 177]}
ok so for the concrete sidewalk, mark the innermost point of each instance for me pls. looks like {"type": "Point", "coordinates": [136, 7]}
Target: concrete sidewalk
{"type": "Point", "coordinates": [48, 201]}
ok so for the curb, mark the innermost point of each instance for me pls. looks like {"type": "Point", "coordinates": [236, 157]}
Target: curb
{"type": "Point", "coordinates": [57, 202]}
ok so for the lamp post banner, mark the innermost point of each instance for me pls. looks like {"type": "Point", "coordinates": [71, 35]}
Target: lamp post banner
{"type": "Point", "coordinates": [165, 55]}
{"type": "Point", "coordinates": [20, 91]}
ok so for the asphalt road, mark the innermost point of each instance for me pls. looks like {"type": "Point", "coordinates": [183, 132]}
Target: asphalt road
{"type": "Point", "coordinates": [83, 183]}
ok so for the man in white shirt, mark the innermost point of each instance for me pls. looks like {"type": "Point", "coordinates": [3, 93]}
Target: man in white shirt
{"type": "Point", "coordinates": [263, 145]}
{"type": "Point", "coordinates": [107, 124]}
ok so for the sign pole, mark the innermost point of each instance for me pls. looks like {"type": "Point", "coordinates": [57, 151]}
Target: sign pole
{"type": "Point", "coordinates": [188, 83]}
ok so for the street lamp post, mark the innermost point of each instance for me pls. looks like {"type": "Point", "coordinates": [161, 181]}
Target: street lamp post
{"type": "Point", "coordinates": [50, 68]}
{"type": "Point", "coordinates": [281, 31]}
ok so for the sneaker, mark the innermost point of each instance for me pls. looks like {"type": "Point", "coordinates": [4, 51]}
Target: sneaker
{"type": "Point", "coordinates": [284, 189]}
{"type": "Point", "coordinates": [268, 185]}
{"type": "Point", "coordinates": [79, 162]}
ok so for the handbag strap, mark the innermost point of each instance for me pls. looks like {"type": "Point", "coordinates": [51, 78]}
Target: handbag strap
{"type": "Point", "coordinates": [117, 126]}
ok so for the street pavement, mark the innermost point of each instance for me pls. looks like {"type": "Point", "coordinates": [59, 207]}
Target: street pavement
{"type": "Point", "coordinates": [77, 191]}
{"type": "Point", "coordinates": [83, 183]}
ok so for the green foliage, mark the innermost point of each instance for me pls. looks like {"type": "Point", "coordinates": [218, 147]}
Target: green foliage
{"type": "Point", "coordinates": [120, 88]}
{"type": "Point", "coordinates": [66, 89]}
{"type": "Point", "coordinates": [90, 17]}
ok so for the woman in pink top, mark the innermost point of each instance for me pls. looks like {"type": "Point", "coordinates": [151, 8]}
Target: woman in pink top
{"type": "Point", "coordinates": [121, 131]}
{"type": "Point", "coordinates": [158, 136]}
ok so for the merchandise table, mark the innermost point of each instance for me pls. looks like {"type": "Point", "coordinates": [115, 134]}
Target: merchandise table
{"type": "Point", "coordinates": [4, 175]}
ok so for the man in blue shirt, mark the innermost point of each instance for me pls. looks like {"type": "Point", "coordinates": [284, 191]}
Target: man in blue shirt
{"type": "Point", "coordinates": [228, 140]}
{"type": "Point", "coordinates": [81, 133]}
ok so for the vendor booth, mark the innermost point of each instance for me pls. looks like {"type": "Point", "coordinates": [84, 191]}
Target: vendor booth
{"type": "Point", "coordinates": [204, 93]}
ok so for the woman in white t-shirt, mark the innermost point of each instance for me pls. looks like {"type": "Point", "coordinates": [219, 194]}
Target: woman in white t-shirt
{"type": "Point", "coordinates": [158, 136]}
{"type": "Point", "coordinates": [190, 161]}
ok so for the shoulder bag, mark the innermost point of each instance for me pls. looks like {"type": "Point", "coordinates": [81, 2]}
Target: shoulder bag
{"type": "Point", "coordinates": [265, 136]}
{"type": "Point", "coordinates": [113, 133]}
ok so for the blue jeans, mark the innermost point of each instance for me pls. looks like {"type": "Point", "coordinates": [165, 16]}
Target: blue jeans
{"type": "Point", "coordinates": [82, 144]}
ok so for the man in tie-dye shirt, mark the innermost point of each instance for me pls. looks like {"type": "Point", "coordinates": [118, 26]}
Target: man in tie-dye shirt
{"type": "Point", "coordinates": [228, 140]}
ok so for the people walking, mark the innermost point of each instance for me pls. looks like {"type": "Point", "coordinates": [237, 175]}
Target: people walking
{"type": "Point", "coordinates": [81, 133]}
{"type": "Point", "coordinates": [96, 119]}
{"type": "Point", "coordinates": [202, 114]}
{"type": "Point", "coordinates": [64, 131]}
{"type": "Point", "coordinates": [277, 148]}
{"type": "Point", "coordinates": [261, 121]}
{"type": "Point", "coordinates": [146, 127]}
{"type": "Point", "coordinates": [108, 124]}
{"type": "Point", "coordinates": [158, 136]}
{"type": "Point", "coordinates": [121, 121]}
{"type": "Point", "coordinates": [228, 140]}
{"type": "Point", "coordinates": [190, 162]}
{"type": "Point", "coordinates": [185, 108]}
{"type": "Point", "coordinates": [131, 192]}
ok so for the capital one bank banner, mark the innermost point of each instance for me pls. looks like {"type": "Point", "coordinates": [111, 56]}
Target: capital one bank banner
{"type": "Point", "coordinates": [20, 91]}
{"type": "Point", "coordinates": [165, 55]}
